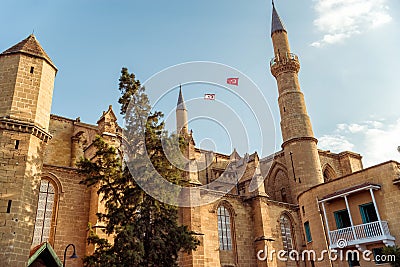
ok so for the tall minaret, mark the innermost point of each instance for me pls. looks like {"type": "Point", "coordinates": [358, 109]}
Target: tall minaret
{"type": "Point", "coordinates": [299, 143]}
{"type": "Point", "coordinates": [189, 216]}
{"type": "Point", "coordinates": [26, 88]}
{"type": "Point", "coordinates": [181, 115]}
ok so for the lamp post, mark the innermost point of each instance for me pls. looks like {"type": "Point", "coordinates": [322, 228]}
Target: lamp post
{"type": "Point", "coordinates": [73, 256]}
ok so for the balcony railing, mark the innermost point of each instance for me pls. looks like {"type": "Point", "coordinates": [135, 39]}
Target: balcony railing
{"type": "Point", "coordinates": [284, 59]}
{"type": "Point", "coordinates": [359, 234]}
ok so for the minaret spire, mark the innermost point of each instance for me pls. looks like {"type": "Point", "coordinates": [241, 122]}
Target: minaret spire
{"type": "Point", "coordinates": [181, 101]}
{"type": "Point", "coordinates": [181, 115]}
{"type": "Point", "coordinates": [299, 144]}
{"type": "Point", "coordinates": [276, 24]}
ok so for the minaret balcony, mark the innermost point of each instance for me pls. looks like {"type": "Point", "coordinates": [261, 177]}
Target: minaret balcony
{"type": "Point", "coordinates": [284, 63]}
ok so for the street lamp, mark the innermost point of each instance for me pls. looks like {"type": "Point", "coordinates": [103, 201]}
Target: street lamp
{"type": "Point", "coordinates": [73, 256]}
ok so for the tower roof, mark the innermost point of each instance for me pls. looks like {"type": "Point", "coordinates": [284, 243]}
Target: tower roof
{"type": "Point", "coordinates": [29, 46]}
{"type": "Point", "coordinates": [181, 101]}
{"type": "Point", "coordinates": [277, 24]}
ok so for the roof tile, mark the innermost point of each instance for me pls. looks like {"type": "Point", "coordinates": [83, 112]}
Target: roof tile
{"type": "Point", "coordinates": [277, 24]}
{"type": "Point", "coordinates": [29, 46]}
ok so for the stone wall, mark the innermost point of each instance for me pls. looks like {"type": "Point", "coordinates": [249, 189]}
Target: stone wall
{"type": "Point", "coordinates": [19, 177]}
{"type": "Point", "coordinates": [70, 139]}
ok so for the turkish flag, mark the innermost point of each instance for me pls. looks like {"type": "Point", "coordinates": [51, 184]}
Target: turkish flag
{"type": "Point", "coordinates": [233, 81]}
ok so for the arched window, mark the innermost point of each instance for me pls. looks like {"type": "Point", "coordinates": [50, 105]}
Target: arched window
{"type": "Point", "coordinates": [224, 229]}
{"type": "Point", "coordinates": [45, 212]}
{"type": "Point", "coordinates": [329, 173]}
{"type": "Point", "coordinates": [286, 231]}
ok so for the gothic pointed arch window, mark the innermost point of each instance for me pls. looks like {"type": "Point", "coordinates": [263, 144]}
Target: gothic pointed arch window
{"type": "Point", "coordinates": [287, 233]}
{"type": "Point", "coordinates": [224, 228]}
{"type": "Point", "coordinates": [328, 173]}
{"type": "Point", "coordinates": [45, 213]}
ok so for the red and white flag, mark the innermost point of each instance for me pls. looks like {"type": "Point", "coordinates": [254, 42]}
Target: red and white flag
{"type": "Point", "coordinates": [233, 81]}
{"type": "Point", "coordinates": [209, 96]}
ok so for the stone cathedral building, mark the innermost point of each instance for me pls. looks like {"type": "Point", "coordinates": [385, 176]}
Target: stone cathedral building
{"type": "Point", "coordinates": [309, 199]}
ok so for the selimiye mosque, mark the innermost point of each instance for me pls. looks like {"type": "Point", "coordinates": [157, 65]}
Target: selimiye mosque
{"type": "Point", "coordinates": [308, 199]}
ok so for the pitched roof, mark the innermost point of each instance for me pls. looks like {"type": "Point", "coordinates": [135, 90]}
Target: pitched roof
{"type": "Point", "coordinates": [181, 101]}
{"type": "Point", "coordinates": [30, 46]}
{"type": "Point", "coordinates": [277, 24]}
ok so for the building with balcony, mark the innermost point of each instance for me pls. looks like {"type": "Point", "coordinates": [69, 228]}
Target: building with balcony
{"type": "Point", "coordinates": [356, 220]}
{"type": "Point", "coordinates": [360, 212]}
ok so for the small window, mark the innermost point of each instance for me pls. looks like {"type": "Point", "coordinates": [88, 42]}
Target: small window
{"type": "Point", "coordinates": [308, 232]}
{"type": "Point", "coordinates": [16, 144]}
{"type": "Point", "coordinates": [353, 258]}
{"type": "Point", "coordinates": [303, 210]}
{"type": "Point", "coordinates": [378, 256]}
{"type": "Point", "coordinates": [283, 195]}
{"type": "Point", "coordinates": [9, 206]}
{"type": "Point", "coordinates": [342, 219]}
{"type": "Point", "coordinates": [32, 69]}
{"type": "Point", "coordinates": [368, 213]}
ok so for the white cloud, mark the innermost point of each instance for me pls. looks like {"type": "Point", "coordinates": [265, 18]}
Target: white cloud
{"type": "Point", "coordinates": [340, 19]}
{"type": "Point", "coordinates": [376, 141]}
{"type": "Point", "coordinates": [336, 143]}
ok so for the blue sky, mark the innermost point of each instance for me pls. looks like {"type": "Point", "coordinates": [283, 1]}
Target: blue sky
{"type": "Point", "coordinates": [348, 51]}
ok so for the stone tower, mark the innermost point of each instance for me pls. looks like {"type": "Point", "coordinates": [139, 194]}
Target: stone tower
{"type": "Point", "coordinates": [299, 144]}
{"type": "Point", "coordinates": [181, 115]}
{"type": "Point", "coordinates": [26, 88]}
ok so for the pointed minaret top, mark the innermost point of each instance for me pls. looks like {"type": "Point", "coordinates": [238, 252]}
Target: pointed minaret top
{"type": "Point", "coordinates": [29, 46]}
{"type": "Point", "coordinates": [181, 101]}
{"type": "Point", "coordinates": [277, 24]}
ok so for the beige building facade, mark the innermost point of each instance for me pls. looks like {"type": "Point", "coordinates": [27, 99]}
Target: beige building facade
{"type": "Point", "coordinates": [305, 200]}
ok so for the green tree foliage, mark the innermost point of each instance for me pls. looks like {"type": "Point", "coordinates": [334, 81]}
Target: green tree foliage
{"type": "Point", "coordinates": [392, 250]}
{"type": "Point", "coordinates": [145, 231]}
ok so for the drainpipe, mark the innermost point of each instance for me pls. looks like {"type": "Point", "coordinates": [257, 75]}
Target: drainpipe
{"type": "Point", "coordinates": [326, 221]}
{"type": "Point", "coordinates": [323, 227]}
